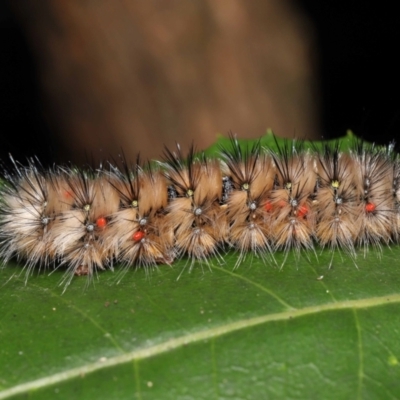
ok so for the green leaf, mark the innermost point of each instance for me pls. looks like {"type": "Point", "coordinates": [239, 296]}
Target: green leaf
{"type": "Point", "coordinates": [303, 331]}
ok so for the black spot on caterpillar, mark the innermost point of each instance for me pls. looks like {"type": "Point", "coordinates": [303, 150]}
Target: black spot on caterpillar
{"type": "Point", "coordinates": [252, 199]}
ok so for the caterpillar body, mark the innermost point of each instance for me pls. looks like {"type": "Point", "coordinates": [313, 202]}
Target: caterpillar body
{"type": "Point", "coordinates": [252, 199]}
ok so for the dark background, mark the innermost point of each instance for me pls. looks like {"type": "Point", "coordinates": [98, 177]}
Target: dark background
{"type": "Point", "coordinates": [20, 103]}
{"type": "Point", "coordinates": [358, 45]}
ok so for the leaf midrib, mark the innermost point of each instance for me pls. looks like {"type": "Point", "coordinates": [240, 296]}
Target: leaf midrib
{"type": "Point", "coordinates": [197, 337]}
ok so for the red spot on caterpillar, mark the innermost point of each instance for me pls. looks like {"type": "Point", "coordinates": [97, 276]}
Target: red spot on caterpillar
{"type": "Point", "coordinates": [302, 211]}
{"type": "Point", "coordinates": [67, 194]}
{"type": "Point", "coordinates": [268, 206]}
{"type": "Point", "coordinates": [138, 236]}
{"type": "Point", "coordinates": [101, 222]}
{"type": "Point", "coordinates": [370, 207]}
{"type": "Point", "coordinates": [282, 203]}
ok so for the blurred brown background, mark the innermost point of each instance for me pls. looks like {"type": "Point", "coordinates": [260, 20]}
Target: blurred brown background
{"type": "Point", "coordinates": [85, 79]}
{"type": "Point", "coordinates": [135, 75]}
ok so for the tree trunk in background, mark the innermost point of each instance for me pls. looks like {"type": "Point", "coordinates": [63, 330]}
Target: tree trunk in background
{"type": "Point", "coordinates": [135, 75]}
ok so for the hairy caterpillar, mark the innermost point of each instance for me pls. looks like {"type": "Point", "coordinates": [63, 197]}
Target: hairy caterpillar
{"type": "Point", "coordinates": [252, 199]}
